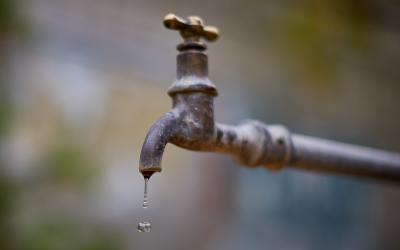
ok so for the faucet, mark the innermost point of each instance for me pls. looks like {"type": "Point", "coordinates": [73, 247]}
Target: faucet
{"type": "Point", "coordinates": [190, 125]}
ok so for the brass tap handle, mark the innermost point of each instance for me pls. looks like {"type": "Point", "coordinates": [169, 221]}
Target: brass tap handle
{"type": "Point", "coordinates": [191, 28]}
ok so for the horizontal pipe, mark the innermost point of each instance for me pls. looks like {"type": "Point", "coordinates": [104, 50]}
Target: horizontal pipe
{"type": "Point", "coordinates": [321, 155]}
{"type": "Point", "coordinates": [253, 143]}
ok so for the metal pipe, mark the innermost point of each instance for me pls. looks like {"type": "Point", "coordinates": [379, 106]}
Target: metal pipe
{"type": "Point", "coordinates": [333, 157]}
{"type": "Point", "coordinates": [254, 143]}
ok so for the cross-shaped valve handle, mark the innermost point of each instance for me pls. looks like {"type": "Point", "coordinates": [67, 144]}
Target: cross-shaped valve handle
{"type": "Point", "coordinates": [191, 28]}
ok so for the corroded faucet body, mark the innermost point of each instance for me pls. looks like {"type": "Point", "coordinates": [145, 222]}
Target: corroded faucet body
{"type": "Point", "coordinates": [190, 125]}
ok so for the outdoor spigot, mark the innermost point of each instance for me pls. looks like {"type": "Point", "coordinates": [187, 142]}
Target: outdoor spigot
{"type": "Point", "coordinates": [190, 125]}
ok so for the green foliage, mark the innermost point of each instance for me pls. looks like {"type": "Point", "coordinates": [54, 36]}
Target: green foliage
{"type": "Point", "coordinates": [5, 112]}
{"type": "Point", "coordinates": [66, 234]}
{"type": "Point", "coordinates": [67, 164]}
{"type": "Point", "coordinates": [9, 20]}
{"type": "Point", "coordinates": [7, 202]}
{"type": "Point", "coordinates": [318, 35]}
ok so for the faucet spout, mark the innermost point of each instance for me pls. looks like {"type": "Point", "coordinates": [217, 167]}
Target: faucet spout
{"type": "Point", "coordinates": [154, 144]}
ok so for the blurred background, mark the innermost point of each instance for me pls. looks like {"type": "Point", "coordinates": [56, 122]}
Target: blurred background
{"type": "Point", "coordinates": [81, 81]}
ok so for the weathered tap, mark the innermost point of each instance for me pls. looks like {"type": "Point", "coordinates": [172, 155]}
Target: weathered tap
{"type": "Point", "coordinates": [190, 124]}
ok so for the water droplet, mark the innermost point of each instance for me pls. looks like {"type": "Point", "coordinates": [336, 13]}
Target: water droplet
{"type": "Point", "coordinates": [145, 198]}
{"type": "Point", "coordinates": [144, 227]}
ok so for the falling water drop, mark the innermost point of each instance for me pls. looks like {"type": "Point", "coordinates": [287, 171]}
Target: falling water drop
{"type": "Point", "coordinates": [144, 227]}
{"type": "Point", "coordinates": [145, 198]}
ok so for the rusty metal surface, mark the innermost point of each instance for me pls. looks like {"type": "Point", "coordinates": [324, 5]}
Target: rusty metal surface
{"type": "Point", "coordinates": [190, 125]}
